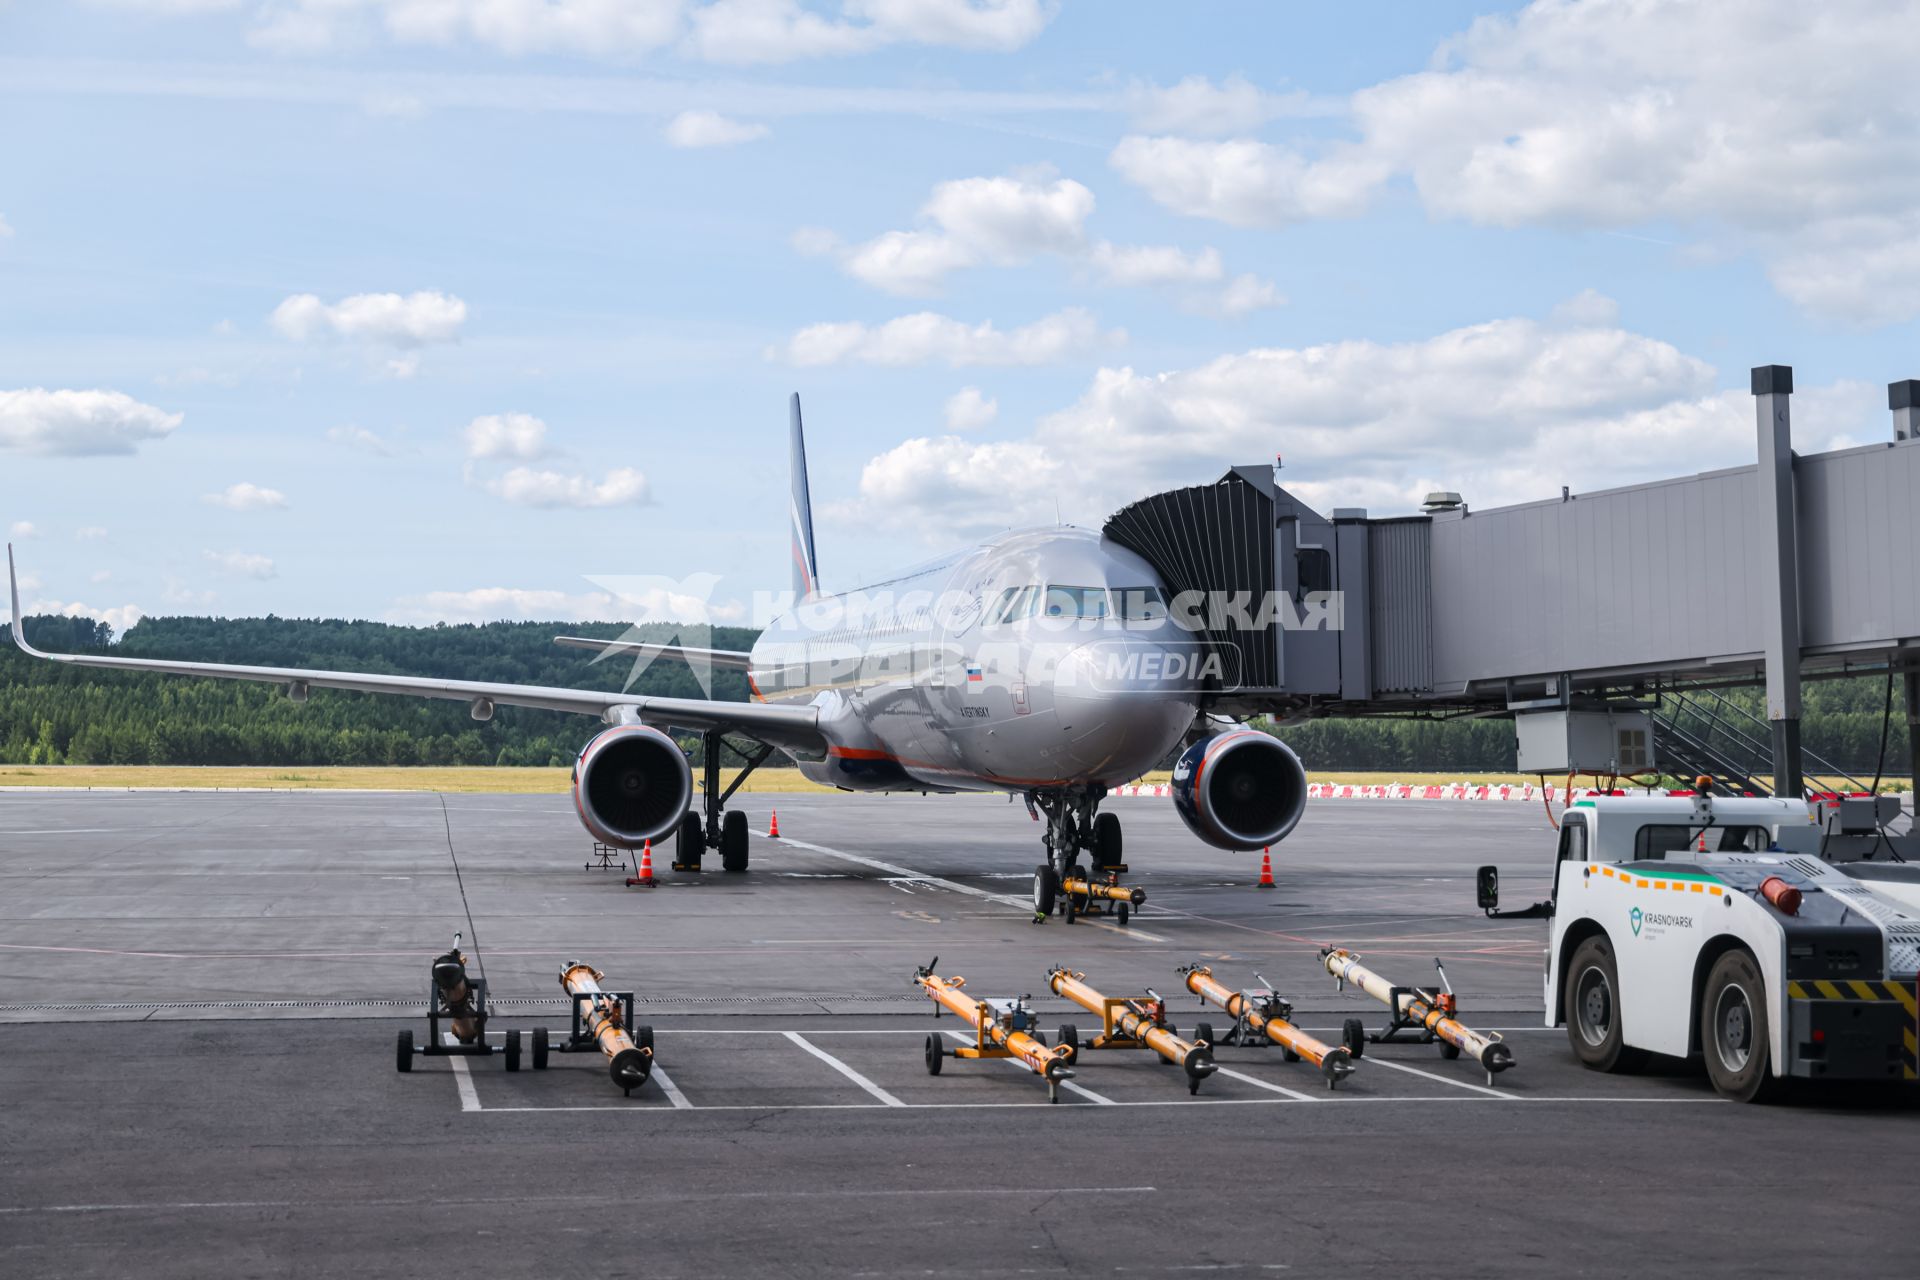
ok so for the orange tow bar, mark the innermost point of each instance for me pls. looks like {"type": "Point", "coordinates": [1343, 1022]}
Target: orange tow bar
{"type": "Point", "coordinates": [1427, 1014]}
{"type": "Point", "coordinates": [1260, 1016]}
{"type": "Point", "coordinates": [1132, 1022]}
{"type": "Point", "coordinates": [602, 1017]}
{"type": "Point", "coordinates": [1080, 895]}
{"type": "Point", "coordinates": [1001, 1029]}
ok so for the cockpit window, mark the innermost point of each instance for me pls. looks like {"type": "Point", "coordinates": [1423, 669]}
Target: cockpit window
{"type": "Point", "coordinates": [1014, 604]}
{"type": "Point", "coordinates": [1076, 602]}
{"type": "Point", "coordinates": [1140, 604]}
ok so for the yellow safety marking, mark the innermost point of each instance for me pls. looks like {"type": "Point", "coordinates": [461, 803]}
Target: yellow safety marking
{"type": "Point", "coordinates": [1827, 989]}
{"type": "Point", "coordinates": [1797, 991]}
{"type": "Point", "coordinates": [1908, 1037]}
{"type": "Point", "coordinates": [1659, 884]}
{"type": "Point", "coordinates": [1906, 997]}
{"type": "Point", "coordinates": [1699, 887]}
{"type": "Point", "coordinates": [1639, 884]}
{"type": "Point", "coordinates": [1864, 991]}
{"type": "Point", "coordinates": [1714, 889]}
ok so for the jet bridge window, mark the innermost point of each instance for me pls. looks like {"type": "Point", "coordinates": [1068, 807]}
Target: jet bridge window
{"type": "Point", "coordinates": [1076, 602]}
{"type": "Point", "coordinates": [1653, 842]}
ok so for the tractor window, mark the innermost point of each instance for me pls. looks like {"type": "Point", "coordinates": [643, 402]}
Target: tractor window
{"type": "Point", "coordinates": [1653, 842]}
{"type": "Point", "coordinates": [1573, 838]}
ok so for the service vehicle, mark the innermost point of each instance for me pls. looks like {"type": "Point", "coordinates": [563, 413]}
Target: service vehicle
{"type": "Point", "coordinates": [1776, 941]}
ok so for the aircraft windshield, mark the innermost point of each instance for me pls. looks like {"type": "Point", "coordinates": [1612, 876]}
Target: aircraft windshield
{"type": "Point", "coordinates": [1140, 604]}
{"type": "Point", "coordinates": [1076, 602]}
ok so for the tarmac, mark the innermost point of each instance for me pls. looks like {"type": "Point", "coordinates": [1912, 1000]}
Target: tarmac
{"type": "Point", "coordinates": [270, 947]}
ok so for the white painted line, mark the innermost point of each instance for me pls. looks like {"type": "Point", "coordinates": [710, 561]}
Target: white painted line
{"type": "Point", "coordinates": [1345, 1101]}
{"type": "Point", "coordinates": [677, 1098]}
{"type": "Point", "coordinates": [848, 1194]}
{"type": "Point", "coordinates": [1068, 1085]}
{"type": "Point", "coordinates": [70, 831]}
{"type": "Point", "coordinates": [907, 873]}
{"type": "Point", "coordinates": [469, 1100]}
{"type": "Point", "coordinates": [1458, 1084]}
{"type": "Point", "coordinates": [845, 1070]}
{"type": "Point", "coordinates": [1244, 1078]}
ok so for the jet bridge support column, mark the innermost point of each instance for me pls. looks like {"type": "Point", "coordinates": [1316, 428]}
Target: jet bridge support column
{"type": "Point", "coordinates": [1780, 573]}
{"type": "Point", "coordinates": [1903, 398]}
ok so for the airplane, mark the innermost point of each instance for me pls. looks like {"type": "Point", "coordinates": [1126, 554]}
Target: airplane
{"type": "Point", "coordinates": [1043, 663]}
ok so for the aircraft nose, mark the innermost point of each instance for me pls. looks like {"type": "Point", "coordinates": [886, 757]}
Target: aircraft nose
{"type": "Point", "coordinates": [1123, 703]}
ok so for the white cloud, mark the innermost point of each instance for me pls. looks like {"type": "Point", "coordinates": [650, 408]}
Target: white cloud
{"type": "Point", "coordinates": [246, 496]}
{"type": "Point", "coordinates": [90, 533]}
{"type": "Point", "coordinates": [748, 31]}
{"type": "Point", "coordinates": [731, 31]}
{"type": "Point", "coordinates": [1503, 411]}
{"type": "Point", "coordinates": [241, 564]}
{"type": "Point", "coordinates": [710, 129]}
{"type": "Point", "coordinates": [969, 410]}
{"type": "Point", "coordinates": [1004, 221]}
{"type": "Point", "coordinates": [1154, 264]}
{"type": "Point", "coordinates": [410, 320]}
{"type": "Point", "coordinates": [353, 437]}
{"type": "Point", "coordinates": [1247, 183]}
{"type": "Point", "coordinates": [947, 488]}
{"type": "Point", "coordinates": [927, 337]}
{"type": "Point", "coordinates": [23, 529]}
{"type": "Point", "coordinates": [1764, 125]}
{"type": "Point", "coordinates": [506, 435]}
{"type": "Point", "coordinates": [527, 487]}
{"type": "Point", "coordinates": [400, 368]}
{"type": "Point", "coordinates": [79, 423]}
{"type": "Point", "coordinates": [1243, 294]}
{"type": "Point", "coordinates": [1197, 107]}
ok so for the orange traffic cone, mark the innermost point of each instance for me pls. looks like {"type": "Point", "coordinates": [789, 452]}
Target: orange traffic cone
{"type": "Point", "coordinates": [1703, 841]}
{"type": "Point", "coordinates": [645, 878]}
{"type": "Point", "coordinates": [773, 828]}
{"type": "Point", "coordinates": [1266, 869]}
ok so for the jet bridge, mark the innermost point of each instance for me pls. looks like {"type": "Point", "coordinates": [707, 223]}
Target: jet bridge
{"type": "Point", "coordinates": [1757, 573]}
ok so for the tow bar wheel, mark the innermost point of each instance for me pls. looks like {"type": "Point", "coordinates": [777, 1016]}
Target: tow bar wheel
{"type": "Point", "coordinates": [936, 1054]}
{"type": "Point", "coordinates": [1734, 1033]}
{"type": "Point", "coordinates": [403, 1060]}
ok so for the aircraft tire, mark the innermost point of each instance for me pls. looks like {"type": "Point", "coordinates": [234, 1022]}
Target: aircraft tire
{"type": "Point", "coordinates": [733, 841]}
{"type": "Point", "coordinates": [1046, 887]}
{"type": "Point", "coordinates": [1106, 841]}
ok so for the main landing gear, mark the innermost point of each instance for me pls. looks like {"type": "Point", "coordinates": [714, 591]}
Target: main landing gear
{"type": "Point", "coordinates": [1074, 827]}
{"type": "Point", "coordinates": [715, 827]}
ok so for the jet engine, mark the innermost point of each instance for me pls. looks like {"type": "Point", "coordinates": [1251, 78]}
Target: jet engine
{"type": "Point", "coordinates": [1240, 790]}
{"type": "Point", "coordinates": [631, 784]}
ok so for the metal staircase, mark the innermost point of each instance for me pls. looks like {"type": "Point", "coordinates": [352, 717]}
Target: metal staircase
{"type": "Point", "coordinates": [1702, 731]}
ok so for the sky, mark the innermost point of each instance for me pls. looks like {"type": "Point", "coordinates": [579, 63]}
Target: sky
{"type": "Point", "coordinates": [452, 310]}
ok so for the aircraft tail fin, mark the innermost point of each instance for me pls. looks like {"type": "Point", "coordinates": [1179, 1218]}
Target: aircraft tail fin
{"type": "Point", "coordinates": [806, 574]}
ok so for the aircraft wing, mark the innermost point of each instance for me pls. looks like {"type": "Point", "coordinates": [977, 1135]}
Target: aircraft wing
{"type": "Point", "coordinates": [794, 728]}
{"type": "Point", "coordinates": [724, 659]}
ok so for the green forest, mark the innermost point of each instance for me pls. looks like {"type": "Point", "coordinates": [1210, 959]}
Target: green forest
{"type": "Point", "coordinates": [52, 714]}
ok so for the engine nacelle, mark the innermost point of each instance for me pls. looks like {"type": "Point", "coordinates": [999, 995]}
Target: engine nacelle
{"type": "Point", "coordinates": [1240, 790]}
{"type": "Point", "coordinates": [631, 784]}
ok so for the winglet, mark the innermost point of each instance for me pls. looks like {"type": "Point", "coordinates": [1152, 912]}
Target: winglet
{"type": "Point", "coordinates": [806, 570]}
{"type": "Point", "coordinates": [13, 584]}
{"type": "Point", "coordinates": [19, 623]}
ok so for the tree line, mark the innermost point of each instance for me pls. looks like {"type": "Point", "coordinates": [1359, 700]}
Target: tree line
{"type": "Point", "coordinates": [54, 714]}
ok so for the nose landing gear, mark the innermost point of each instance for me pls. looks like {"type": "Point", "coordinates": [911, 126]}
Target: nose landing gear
{"type": "Point", "coordinates": [1062, 884]}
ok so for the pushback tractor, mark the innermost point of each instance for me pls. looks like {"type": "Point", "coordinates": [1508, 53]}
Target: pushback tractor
{"type": "Point", "coordinates": [1776, 946]}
